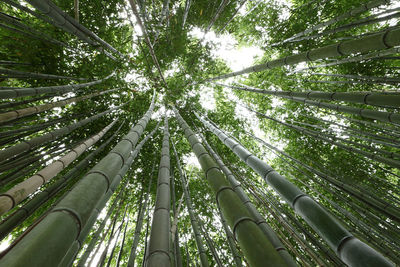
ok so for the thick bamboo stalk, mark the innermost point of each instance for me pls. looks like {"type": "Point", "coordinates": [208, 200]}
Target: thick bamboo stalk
{"type": "Point", "coordinates": [350, 249]}
{"type": "Point", "coordinates": [174, 227]}
{"type": "Point", "coordinates": [15, 219]}
{"type": "Point", "coordinates": [160, 230]}
{"type": "Point", "coordinates": [42, 139]}
{"type": "Point", "coordinates": [19, 192]}
{"type": "Point", "coordinates": [256, 247]}
{"type": "Point", "coordinates": [15, 114]}
{"type": "Point", "coordinates": [71, 214]}
{"type": "Point", "coordinates": [264, 226]}
{"type": "Point", "coordinates": [377, 41]}
{"type": "Point", "coordinates": [57, 90]}
{"type": "Point", "coordinates": [358, 77]}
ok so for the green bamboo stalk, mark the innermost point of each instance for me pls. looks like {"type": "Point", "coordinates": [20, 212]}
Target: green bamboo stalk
{"type": "Point", "coordinates": [174, 227]}
{"type": "Point", "coordinates": [19, 148]}
{"type": "Point", "coordinates": [23, 74]}
{"type": "Point", "coordinates": [15, 114]}
{"type": "Point", "coordinates": [73, 211]}
{"type": "Point", "coordinates": [264, 226]}
{"type": "Point", "coordinates": [256, 247]}
{"type": "Point", "coordinates": [15, 219]}
{"type": "Point", "coordinates": [241, 4]}
{"type": "Point", "coordinates": [139, 221]}
{"type": "Point", "coordinates": [221, 7]}
{"type": "Point", "coordinates": [377, 41]}
{"type": "Point", "coordinates": [57, 90]}
{"type": "Point", "coordinates": [160, 229]}
{"type": "Point", "coordinates": [19, 192]}
{"type": "Point", "coordinates": [349, 249]}
{"type": "Point", "coordinates": [186, 12]}
{"type": "Point", "coordinates": [358, 77]}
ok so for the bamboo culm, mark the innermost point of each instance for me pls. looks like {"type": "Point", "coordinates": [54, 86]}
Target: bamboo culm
{"type": "Point", "coordinates": [255, 246]}
{"type": "Point", "coordinates": [350, 250]}
{"type": "Point", "coordinates": [73, 211]}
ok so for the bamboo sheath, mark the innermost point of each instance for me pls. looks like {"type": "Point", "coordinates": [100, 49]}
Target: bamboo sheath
{"type": "Point", "coordinates": [19, 113]}
{"type": "Point", "coordinates": [23, 146]}
{"type": "Point", "coordinates": [350, 250]}
{"type": "Point", "coordinates": [365, 113]}
{"type": "Point", "coordinates": [377, 41]}
{"type": "Point", "coordinates": [160, 230]}
{"type": "Point", "coordinates": [264, 226]}
{"type": "Point", "coordinates": [58, 89]}
{"type": "Point", "coordinates": [12, 221]}
{"type": "Point", "coordinates": [60, 228]}
{"type": "Point", "coordinates": [255, 246]}
{"type": "Point", "coordinates": [19, 192]}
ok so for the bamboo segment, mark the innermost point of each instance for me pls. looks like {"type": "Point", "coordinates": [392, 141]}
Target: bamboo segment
{"type": "Point", "coordinates": [22, 74]}
{"type": "Point", "coordinates": [160, 230]}
{"type": "Point", "coordinates": [378, 41]}
{"type": "Point", "coordinates": [72, 213]}
{"type": "Point", "coordinates": [19, 148]}
{"type": "Point", "coordinates": [15, 114]}
{"type": "Point", "coordinates": [349, 249]}
{"type": "Point", "coordinates": [58, 89]}
{"type": "Point", "coordinates": [256, 247]}
{"type": "Point", "coordinates": [19, 192]}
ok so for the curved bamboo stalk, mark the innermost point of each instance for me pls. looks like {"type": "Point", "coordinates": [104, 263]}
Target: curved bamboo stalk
{"type": "Point", "coordinates": [350, 249]}
{"type": "Point", "coordinates": [256, 247]}
{"type": "Point", "coordinates": [58, 89]}
{"type": "Point", "coordinates": [160, 230]}
{"type": "Point", "coordinates": [264, 226]}
{"type": "Point", "coordinates": [376, 41]}
{"type": "Point", "coordinates": [71, 214]}
{"type": "Point", "coordinates": [19, 192]}
{"type": "Point", "coordinates": [39, 140]}
{"type": "Point", "coordinates": [15, 219]}
{"type": "Point", "coordinates": [15, 114]}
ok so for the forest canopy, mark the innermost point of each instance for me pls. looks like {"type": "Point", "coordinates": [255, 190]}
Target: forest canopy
{"type": "Point", "coordinates": [199, 133]}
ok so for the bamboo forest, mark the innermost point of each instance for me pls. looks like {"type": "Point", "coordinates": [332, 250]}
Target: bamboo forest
{"type": "Point", "coordinates": [199, 133]}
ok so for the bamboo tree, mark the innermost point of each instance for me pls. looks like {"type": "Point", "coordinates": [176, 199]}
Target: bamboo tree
{"type": "Point", "coordinates": [9, 73]}
{"type": "Point", "coordinates": [221, 7]}
{"type": "Point", "coordinates": [23, 146]}
{"type": "Point", "coordinates": [12, 221]}
{"type": "Point", "coordinates": [57, 90]}
{"type": "Point", "coordinates": [241, 4]}
{"type": "Point", "coordinates": [264, 226]}
{"type": "Point", "coordinates": [256, 247]}
{"type": "Point", "coordinates": [15, 114]}
{"type": "Point", "coordinates": [174, 232]}
{"type": "Point", "coordinates": [139, 221]}
{"type": "Point", "coordinates": [358, 77]}
{"type": "Point", "coordinates": [160, 229]}
{"type": "Point", "coordinates": [186, 12]}
{"type": "Point", "coordinates": [193, 220]}
{"type": "Point", "coordinates": [351, 250]}
{"type": "Point", "coordinates": [19, 192]}
{"type": "Point", "coordinates": [376, 41]}
{"type": "Point", "coordinates": [72, 209]}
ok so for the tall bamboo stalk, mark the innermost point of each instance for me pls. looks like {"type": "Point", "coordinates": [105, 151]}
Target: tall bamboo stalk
{"type": "Point", "coordinates": [160, 229]}
{"type": "Point", "coordinates": [256, 247]}
{"type": "Point", "coordinates": [351, 250]}
{"type": "Point", "coordinates": [72, 213]}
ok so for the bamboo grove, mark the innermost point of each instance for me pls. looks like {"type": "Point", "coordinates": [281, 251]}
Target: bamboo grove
{"type": "Point", "coordinates": [129, 138]}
